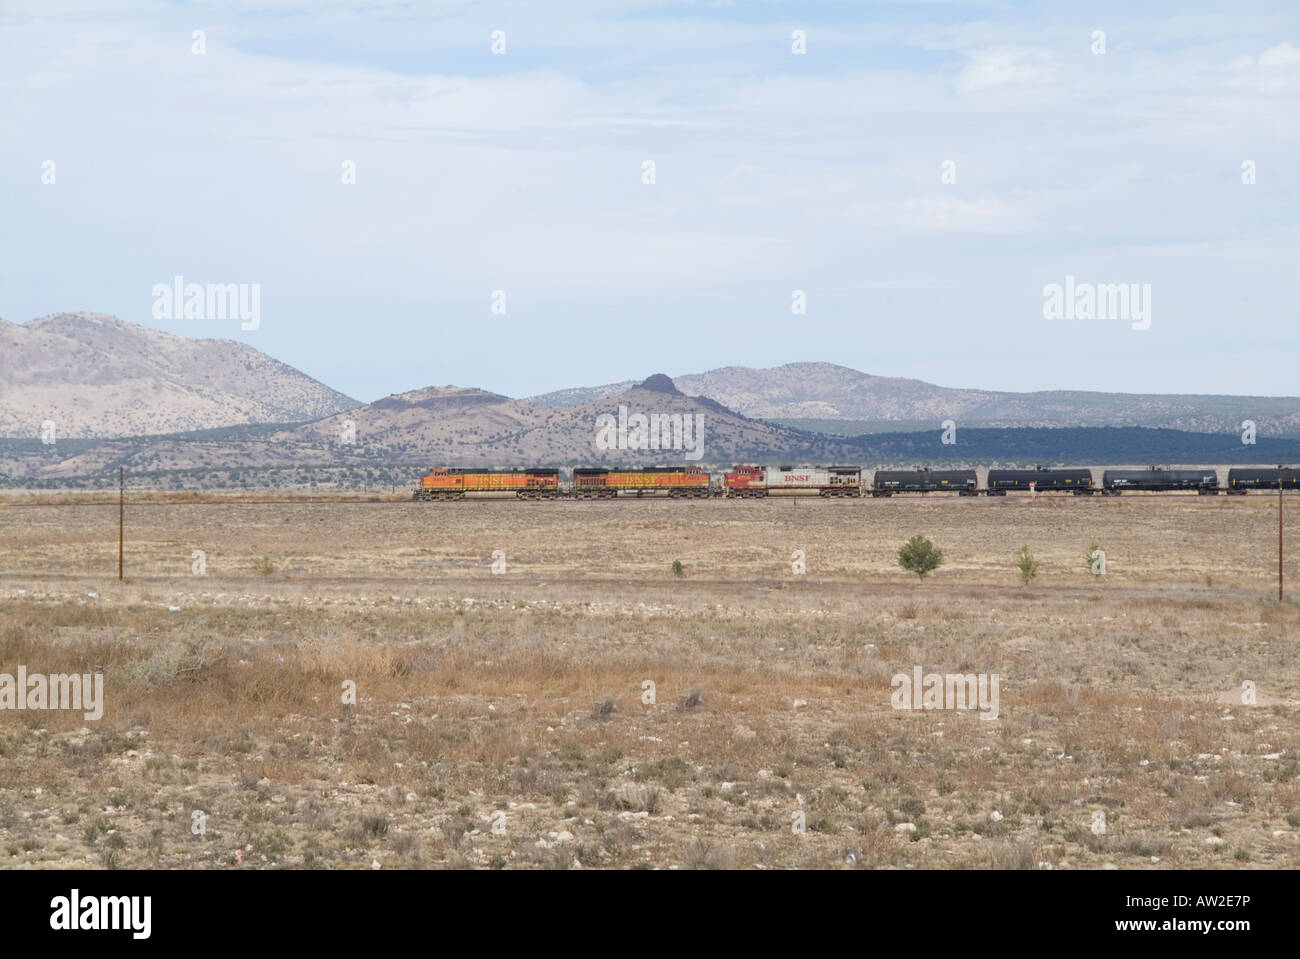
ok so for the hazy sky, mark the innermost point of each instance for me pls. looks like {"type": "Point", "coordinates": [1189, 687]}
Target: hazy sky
{"type": "Point", "coordinates": [774, 172]}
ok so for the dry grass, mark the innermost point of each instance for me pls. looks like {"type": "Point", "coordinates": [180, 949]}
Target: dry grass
{"type": "Point", "coordinates": [502, 720]}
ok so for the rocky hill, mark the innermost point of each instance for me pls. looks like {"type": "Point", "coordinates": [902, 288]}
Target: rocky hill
{"type": "Point", "coordinates": [98, 376]}
{"type": "Point", "coordinates": [451, 425]}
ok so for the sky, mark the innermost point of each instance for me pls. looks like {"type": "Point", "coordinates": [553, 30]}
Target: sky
{"type": "Point", "coordinates": [916, 178]}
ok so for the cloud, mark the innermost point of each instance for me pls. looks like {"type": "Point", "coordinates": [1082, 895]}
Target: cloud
{"type": "Point", "coordinates": [987, 69]}
{"type": "Point", "coordinates": [1280, 55]}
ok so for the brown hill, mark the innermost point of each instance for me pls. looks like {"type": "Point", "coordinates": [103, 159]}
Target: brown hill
{"type": "Point", "coordinates": [98, 376]}
{"type": "Point", "coordinates": [466, 427]}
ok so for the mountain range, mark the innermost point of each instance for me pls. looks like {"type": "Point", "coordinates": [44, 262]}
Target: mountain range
{"type": "Point", "coordinates": [169, 406]}
{"type": "Point", "coordinates": [838, 399]}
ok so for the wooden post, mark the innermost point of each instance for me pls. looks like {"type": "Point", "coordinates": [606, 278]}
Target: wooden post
{"type": "Point", "coordinates": [1279, 534]}
{"type": "Point", "coordinates": [121, 516]}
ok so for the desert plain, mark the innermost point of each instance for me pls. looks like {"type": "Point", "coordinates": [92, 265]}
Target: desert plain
{"type": "Point", "coordinates": [648, 684]}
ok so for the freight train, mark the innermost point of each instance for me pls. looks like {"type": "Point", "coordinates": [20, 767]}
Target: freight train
{"type": "Point", "coordinates": [747, 482]}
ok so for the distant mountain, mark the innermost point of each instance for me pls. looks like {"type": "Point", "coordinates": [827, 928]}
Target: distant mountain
{"type": "Point", "coordinates": [800, 394]}
{"type": "Point", "coordinates": [98, 376]}
{"type": "Point", "coordinates": [446, 426]}
{"type": "Point", "coordinates": [394, 440]}
{"type": "Point", "coordinates": [454, 426]}
{"type": "Point", "coordinates": [189, 412]}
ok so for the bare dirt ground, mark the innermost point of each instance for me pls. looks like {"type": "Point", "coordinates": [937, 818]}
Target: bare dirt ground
{"type": "Point", "coordinates": [501, 716]}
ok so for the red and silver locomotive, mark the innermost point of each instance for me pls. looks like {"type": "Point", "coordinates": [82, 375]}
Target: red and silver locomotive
{"type": "Point", "coordinates": [751, 481]}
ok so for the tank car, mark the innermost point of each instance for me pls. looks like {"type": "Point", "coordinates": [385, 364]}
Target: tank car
{"type": "Point", "coordinates": [1158, 480]}
{"type": "Point", "coordinates": [1077, 481]}
{"type": "Point", "coordinates": [889, 482]}
{"type": "Point", "coordinates": [1243, 479]}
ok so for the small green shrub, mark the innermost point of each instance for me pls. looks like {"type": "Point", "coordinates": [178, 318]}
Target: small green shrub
{"type": "Point", "coordinates": [1026, 564]}
{"type": "Point", "coordinates": [920, 556]}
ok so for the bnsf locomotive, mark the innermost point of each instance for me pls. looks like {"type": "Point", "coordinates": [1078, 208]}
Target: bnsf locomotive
{"type": "Point", "coordinates": [748, 481]}
{"type": "Point", "coordinates": [674, 481]}
{"type": "Point", "coordinates": [443, 483]}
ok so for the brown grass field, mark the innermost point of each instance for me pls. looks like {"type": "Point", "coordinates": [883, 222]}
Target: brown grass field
{"type": "Point", "coordinates": [500, 720]}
